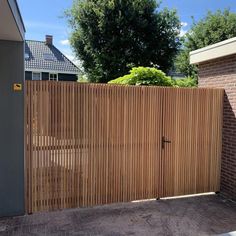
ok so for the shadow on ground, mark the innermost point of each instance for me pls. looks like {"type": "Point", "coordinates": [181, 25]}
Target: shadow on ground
{"type": "Point", "coordinates": [204, 215]}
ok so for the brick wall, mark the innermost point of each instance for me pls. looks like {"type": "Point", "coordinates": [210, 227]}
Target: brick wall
{"type": "Point", "coordinates": [221, 73]}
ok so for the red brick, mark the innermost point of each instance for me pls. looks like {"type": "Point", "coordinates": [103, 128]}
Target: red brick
{"type": "Point", "coordinates": [221, 73]}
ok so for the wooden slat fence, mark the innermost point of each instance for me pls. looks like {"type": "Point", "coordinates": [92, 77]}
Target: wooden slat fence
{"type": "Point", "coordinates": [90, 144]}
{"type": "Point", "coordinates": [193, 123]}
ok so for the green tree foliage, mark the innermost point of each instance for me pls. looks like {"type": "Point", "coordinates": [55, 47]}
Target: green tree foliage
{"type": "Point", "coordinates": [152, 76]}
{"type": "Point", "coordinates": [112, 36]}
{"type": "Point", "coordinates": [213, 28]}
{"type": "Point", "coordinates": [186, 82]}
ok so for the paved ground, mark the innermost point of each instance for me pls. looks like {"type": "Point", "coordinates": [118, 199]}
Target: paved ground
{"type": "Point", "coordinates": [205, 215]}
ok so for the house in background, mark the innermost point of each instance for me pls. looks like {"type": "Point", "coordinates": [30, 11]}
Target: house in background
{"type": "Point", "coordinates": [43, 61]}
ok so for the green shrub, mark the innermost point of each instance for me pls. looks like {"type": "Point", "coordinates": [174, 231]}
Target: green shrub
{"type": "Point", "coordinates": [82, 79]}
{"type": "Point", "coordinates": [144, 76]}
{"type": "Point", "coordinates": [186, 82]}
{"type": "Point", "coordinates": [152, 76]}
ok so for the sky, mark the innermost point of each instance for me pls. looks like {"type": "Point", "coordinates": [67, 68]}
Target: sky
{"type": "Point", "coordinates": [43, 17]}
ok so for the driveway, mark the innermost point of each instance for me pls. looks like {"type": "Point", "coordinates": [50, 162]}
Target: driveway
{"type": "Point", "coordinates": [201, 215]}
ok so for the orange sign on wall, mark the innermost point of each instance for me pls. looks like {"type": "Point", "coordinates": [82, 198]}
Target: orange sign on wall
{"type": "Point", "coordinates": [17, 87]}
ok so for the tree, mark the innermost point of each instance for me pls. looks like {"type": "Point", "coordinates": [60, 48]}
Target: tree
{"type": "Point", "coordinates": [112, 36]}
{"type": "Point", "coordinates": [213, 28]}
{"type": "Point", "coordinates": [152, 76]}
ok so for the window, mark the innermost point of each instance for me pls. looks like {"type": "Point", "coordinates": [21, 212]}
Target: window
{"type": "Point", "coordinates": [53, 77]}
{"type": "Point", "coordinates": [36, 76]}
{"type": "Point", "coordinates": [48, 57]}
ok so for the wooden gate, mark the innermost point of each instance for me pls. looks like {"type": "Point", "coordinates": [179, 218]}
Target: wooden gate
{"type": "Point", "coordinates": [92, 144]}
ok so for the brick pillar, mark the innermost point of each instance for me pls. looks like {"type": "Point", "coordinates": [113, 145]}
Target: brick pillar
{"type": "Point", "coordinates": [221, 73]}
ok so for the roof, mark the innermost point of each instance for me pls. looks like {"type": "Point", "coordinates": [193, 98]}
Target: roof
{"type": "Point", "coordinates": [18, 16]}
{"type": "Point", "coordinates": [38, 50]}
{"type": "Point", "coordinates": [221, 49]}
{"type": "Point", "coordinates": [11, 23]}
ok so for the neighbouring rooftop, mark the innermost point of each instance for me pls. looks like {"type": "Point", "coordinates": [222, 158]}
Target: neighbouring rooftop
{"type": "Point", "coordinates": [45, 57]}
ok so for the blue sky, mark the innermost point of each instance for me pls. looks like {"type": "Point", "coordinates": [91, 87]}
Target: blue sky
{"type": "Point", "coordinates": [43, 17]}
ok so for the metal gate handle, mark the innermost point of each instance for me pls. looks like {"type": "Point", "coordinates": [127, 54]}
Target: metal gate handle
{"type": "Point", "coordinates": [163, 141]}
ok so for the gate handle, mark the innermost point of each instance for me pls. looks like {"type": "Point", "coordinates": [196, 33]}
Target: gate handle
{"type": "Point", "coordinates": [163, 141]}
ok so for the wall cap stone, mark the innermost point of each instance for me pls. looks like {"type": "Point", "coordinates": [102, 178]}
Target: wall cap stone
{"type": "Point", "coordinates": [218, 50]}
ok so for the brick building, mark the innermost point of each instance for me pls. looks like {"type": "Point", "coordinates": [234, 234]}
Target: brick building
{"type": "Point", "coordinates": [217, 68]}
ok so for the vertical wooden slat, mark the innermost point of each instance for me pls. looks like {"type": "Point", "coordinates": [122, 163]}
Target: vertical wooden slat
{"type": "Point", "coordinates": [95, 144]}
{"type": "Point", "coordinates": [191, 126]}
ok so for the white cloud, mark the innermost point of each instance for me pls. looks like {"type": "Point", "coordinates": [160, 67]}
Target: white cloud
{"type": "Point", "coordinates": [65, 42]}
{"type": "Point", "coordinates": [182, 32]}
{"type": "Point", "coordinates": [184, 24]}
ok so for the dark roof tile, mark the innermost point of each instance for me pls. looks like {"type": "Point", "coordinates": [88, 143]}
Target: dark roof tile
{"type": "Point", "coordinates": [36, 61]}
